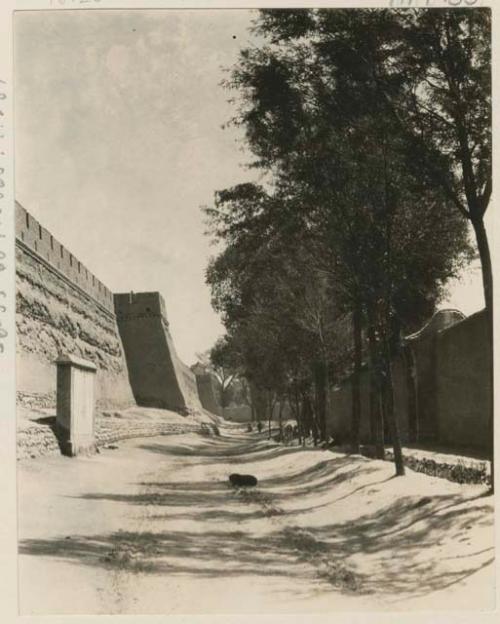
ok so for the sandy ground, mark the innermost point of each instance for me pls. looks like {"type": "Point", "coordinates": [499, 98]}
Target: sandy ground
{"type": "Point", "coordinates": [153, 527]}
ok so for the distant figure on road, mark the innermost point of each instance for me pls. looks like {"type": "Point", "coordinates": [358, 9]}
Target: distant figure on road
{"type": "Point", "coordinates": [259, 426]}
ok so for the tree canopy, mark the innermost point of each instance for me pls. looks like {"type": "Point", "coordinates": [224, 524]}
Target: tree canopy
{"type": "Point", "coordinates": [371, 128]}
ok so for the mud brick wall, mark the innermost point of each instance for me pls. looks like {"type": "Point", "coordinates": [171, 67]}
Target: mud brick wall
{"type": "Point", "coordinates": [453, 387]}
{"type": "Point", "coordinates": [340, 406]}
{"type": "Point", "coordinates": [464, 394]}
{"type": "Point", "coordinates": [157, 375]}
{"type": "Point", "coordinates": [62, 309]}
{"type": "Point", "coordinates": [38, 239]}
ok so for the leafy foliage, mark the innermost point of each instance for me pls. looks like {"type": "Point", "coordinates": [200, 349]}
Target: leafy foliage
{"type": "Point", "coordinates": [372, 127]}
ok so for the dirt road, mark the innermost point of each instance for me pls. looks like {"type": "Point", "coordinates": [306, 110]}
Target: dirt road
{"type": "Point", "coordinates": [153, 527]}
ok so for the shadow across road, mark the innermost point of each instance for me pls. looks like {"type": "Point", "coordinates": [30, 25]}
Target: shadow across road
{"type": "Point", "coordinates": [400, 538]}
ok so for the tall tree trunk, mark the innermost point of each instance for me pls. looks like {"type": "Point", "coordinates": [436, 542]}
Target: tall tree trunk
{"type": "Point", "coordinates": [328, 401]}
{"type": "Point", "coordinates": [309, 418]}
{"type": "Point", "coordinates": [379, 421]}
{"type": "Point", "coordinates": [320, 383]}
{"type": "Point", "coordinates": [486, 267]}
{"type": "Point", "coordinates": [270, 407]}
{"type": "Point", "coordinates": [393, 422]}
{"type": "Point", "coordinates": [376, 415]}
{"type": "Point", "coordinates": [487, 274]}
{"type": "Point", "coordinates": [314, 422]}
{"type": "Point", "coordinates": [391, 339]}
{"type": "Point", "coordinates": [376, 411]}
{"type": "Point", "coordinates": [392, 419]}
{"type": "Point", "coordinates": [304, 419]}
{"type": "Point", "coordinates": [258, 403]}
{"type": "Point", "coordinates": [280, 419]}
{"type": "Point", "coordinates": [300, 423]}
{"type": "Point", "coordinates": [356, 379]}
{"type": "Point", "coordinates": [411, 385]}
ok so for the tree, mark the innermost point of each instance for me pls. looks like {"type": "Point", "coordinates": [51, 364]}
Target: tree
{"type": "Point", "coordinates": [224, 365]}
{"type": "Point", "coordinates": [431, 70]}
{"type": "Point", "coordinates": [314, 116]}
{"type": "Point", "coordinates": [431, 73]}
{"type": "Point", "coordinates": [447, 108]}
{"type": "Point", "coordinates": [272, 297]}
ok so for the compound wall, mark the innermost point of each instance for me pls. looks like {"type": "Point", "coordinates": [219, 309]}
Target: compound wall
{"type": "Point", "coordinates": [339, 415]}
{"type": "Point", "coordinates": [464, 396]}
{"type": "Point", "coordinates": [452, 380]}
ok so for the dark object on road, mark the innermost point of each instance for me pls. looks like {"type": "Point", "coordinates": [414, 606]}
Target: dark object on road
{"type": "Point", "coordinates": [249, 428]}
{"type": "Point", "coordinates": [259, 426]}
{"type": "Point", "coordinates": [239, 480]}
{"type": "Point", "coordinates": [423, 501]}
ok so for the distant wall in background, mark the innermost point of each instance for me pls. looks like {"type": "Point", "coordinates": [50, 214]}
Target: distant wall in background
{"type": "Point", "coordinates": [239, 413]}
{"type": "Point", "coordinates": [62, 307]}
{"type": "Point", "coordinates": [450, 371]}
{"type": "Point", "coordinates": [243, 413]}
{"type": "Point", "coordinates": [157, 375]}
{"type": "Point", "coordinates": [207, 392]}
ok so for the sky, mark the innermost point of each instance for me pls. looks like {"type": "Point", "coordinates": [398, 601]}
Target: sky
{"type": "Point", "coordinates": [119, 142]}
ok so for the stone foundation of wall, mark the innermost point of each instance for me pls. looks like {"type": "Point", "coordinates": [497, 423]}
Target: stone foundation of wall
{"type": "Point", "coordinates": [36, 435]}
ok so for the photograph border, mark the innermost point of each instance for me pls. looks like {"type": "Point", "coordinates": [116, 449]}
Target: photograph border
{"type": "Point", "coordinates": [8, 484]}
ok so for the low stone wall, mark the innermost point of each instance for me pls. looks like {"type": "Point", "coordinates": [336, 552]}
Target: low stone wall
{"type": "Point", "coordinates": [459, 469]}
{"type": "Point", "coordinates": [32, 400]}
{"type": "Point", "coordinates": [35, 438]}
{"type": "Point", "coordinates": [112, 431]}
{"type": "Point", "coordinates": [36, 434]}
